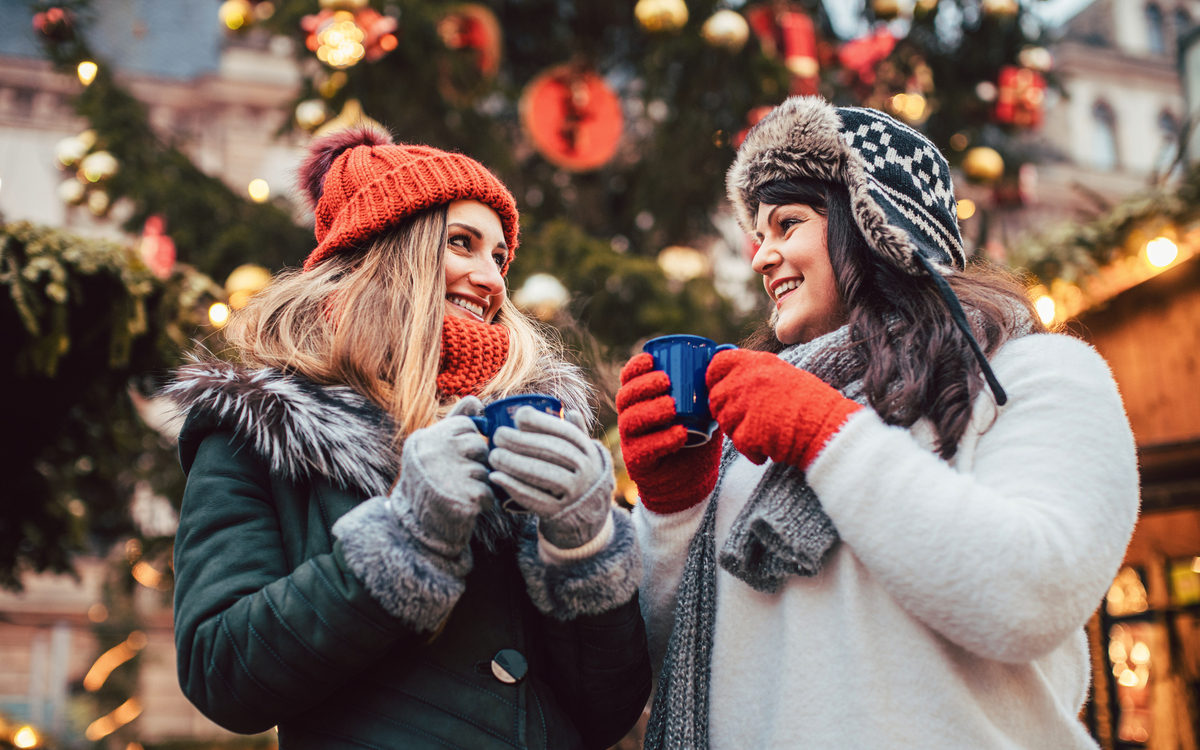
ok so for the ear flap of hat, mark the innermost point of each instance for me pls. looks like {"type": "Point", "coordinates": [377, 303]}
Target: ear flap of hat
{"type": "Point", "coordinates": [323, 151]}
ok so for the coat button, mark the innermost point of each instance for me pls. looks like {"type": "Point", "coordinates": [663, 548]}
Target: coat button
{"type": "Point", "coordinates": [509, 666]}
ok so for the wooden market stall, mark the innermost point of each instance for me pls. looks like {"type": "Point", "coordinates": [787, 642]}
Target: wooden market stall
{"type": "Point", "coordinates": [1146, 636]}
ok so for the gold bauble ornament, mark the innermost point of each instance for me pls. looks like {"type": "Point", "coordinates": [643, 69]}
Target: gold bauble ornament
{"type": "Point", "coordinates": [727, 30]}
{"type": "Point", "coordinates": [243, 282]}
{"type": "Point", "coordinates": [983, 164]}
{"type": "Point", "coordinates": [235, 14]}
{"type": "Point", "coordinates": [885, 10]}
{"type": "Point", "coordinates": [311, 113]}
{"type": "Point", "coordinates": [661, 15]}
{"type": "Point", "coordinates": [1000, 8]}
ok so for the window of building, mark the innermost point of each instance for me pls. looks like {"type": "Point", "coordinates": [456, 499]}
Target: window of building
{"type": "Point", "coordinates": [1183, 21]}
{"type": "Point", "coordinates": [1156, 36]}
{"type": "Point", "coordinates": [1104, 137]}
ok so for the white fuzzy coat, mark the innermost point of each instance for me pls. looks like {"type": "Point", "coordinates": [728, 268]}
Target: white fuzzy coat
{"type": "Point", "coordinates": [951, 615]}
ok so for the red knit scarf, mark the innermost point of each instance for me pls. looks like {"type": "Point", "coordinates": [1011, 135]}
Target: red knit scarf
{"type": "Point", "coordinates": [472, 354]}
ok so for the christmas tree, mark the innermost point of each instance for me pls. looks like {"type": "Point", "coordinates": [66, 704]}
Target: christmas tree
{"type": "Point", "coordinates": [612, 122]}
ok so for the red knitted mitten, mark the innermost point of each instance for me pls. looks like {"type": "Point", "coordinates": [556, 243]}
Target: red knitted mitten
{"type": "Point", "coordinates": [770, 409]}
{"type": "Point", "coordinates": [669, 477]}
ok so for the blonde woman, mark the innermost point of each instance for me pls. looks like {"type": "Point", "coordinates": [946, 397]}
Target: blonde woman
{"type": "Point", "coordinates": [342, 569]}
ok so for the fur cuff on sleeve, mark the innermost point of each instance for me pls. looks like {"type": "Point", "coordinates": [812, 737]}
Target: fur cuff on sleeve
{"type": "Point", "coordinates": [590, 586]}
{"type": "Point", "coordinates": [412, 584]}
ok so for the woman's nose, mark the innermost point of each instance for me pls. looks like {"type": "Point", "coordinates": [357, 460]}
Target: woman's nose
{"type": "Point", "coordinates": [487, 277]}
{"type": "Point", "coordinates": [765, 258]}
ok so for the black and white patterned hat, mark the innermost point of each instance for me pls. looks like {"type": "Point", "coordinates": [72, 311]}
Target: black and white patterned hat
{"type": "Point", "coordinates": [899, 183]}
{"type": "Point", "coordinates": [900, 189]}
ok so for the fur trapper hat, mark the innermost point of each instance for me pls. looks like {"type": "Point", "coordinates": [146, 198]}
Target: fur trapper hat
{"type": "Point", "coordinates": [899, 183]}
{"type": "Point", "coordinates": [361, 183]}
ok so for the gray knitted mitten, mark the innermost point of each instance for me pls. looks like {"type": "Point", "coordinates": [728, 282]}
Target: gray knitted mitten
{"type": "Point", "coordinates": [443, 481]}
{"type": "Point", "coordinates": [554, 469]}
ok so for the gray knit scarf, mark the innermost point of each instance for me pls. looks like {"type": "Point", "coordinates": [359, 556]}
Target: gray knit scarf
{"type": "Point", "coordinates": [782, 531]}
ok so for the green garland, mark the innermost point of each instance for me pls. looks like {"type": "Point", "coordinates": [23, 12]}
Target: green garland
{"type": "Point", "coordinates": [1074, 251]}
{"type": "Point", "coordinates": [82, 321]}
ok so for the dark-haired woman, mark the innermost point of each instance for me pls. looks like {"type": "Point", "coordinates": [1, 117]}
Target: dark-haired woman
{"type": "Point", "coordinates": [342, 569]}
{"type": "Point", "coordinates": [920, 496]}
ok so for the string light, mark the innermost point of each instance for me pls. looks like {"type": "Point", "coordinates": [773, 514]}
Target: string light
{"type": "Point", "coordinates": [87, 72]}
{"type": "Point", "coordinates": [910, 106]}
{"type": "Point", "coordinates": [25, 737]}
{"type": "Point", "coordinates": [966, 208]}
{"type": "Point", "coordinates": [1161, 252]}
{"type": "Point", "coordinates": [340, 42]}
{"type": "Point", "coordinates": [1045, 309]}
{"type": "Point", "coordinates": [147, 575]}
{"type": "Point", "coordinates": [120, 716]}
{"type": "Point", "coordinates": [113, 658]}
{"type": "Point", "coordinates": [259, 190]}
{"type": "Point", "coordinates": [218, 314]}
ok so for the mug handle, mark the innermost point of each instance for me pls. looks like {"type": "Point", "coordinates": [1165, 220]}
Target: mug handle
{"type": "Point", "coordinates": [724, 348]}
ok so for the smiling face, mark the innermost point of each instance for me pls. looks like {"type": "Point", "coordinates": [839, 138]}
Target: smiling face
{"type": "Point", "coordinates": [793, 258]}
{"type": "Point", "coordinates": [475, 253]}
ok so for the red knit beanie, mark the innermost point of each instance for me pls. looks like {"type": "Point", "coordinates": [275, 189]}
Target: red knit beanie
{"type": "Point", "coordinates": [361, 183]}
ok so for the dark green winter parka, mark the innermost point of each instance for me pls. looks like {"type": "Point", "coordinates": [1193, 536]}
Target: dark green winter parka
{"type": "Point", "coordinates": [274, 627]}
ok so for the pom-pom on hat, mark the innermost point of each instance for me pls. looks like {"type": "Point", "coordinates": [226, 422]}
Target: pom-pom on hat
{"type": "Point", "coordinates": [361, 183]}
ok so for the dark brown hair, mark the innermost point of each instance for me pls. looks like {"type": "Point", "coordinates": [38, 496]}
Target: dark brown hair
{"type": "Point", "coordinates": [913, 360]}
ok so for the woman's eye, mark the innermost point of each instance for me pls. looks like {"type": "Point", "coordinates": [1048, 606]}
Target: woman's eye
{"type": "Point", "coordinates": [460, 240]}
{"type": "Point", "coordinates": [499, 258]}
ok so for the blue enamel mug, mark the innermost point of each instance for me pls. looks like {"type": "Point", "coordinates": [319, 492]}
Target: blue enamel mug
{"type": "Point", "coordinates": [500, 414]}
{"type": "Point", "coordinates": [685, 360]}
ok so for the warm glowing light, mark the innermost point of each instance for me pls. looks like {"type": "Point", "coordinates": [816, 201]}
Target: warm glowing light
{"type": "Point", "coordinates": [25, 737]}
{"type": "Point", "coordinates": [218, 313]}
{"type": "Point", "coordinates": [340, 42]}
{"type": "Point", "coordinates": [97, 613]}
{"type": "Point", "coordinates": [147, 575]}
{"type": "Point", "coordinates": [1196, 564]}
{"type": "Point", "coordinates": [234, 13]}
{"type": "Point", "coordinates": [1140, 654]}
{"type": "Point", "coordinates": [87, 72]}
{"type": "Point", "coordinates": [1161, 252]}
{"type": "Point", "coordinates": [1116, 653]}
{"type": "Point", "coordinates": [99, 165]}
{"type": "Point", "coordinates": [259, 190]}
{"type": "Point", "coordinates": [120, 716]}
{"type": "Point", "coordinates": [1045, 309]}
{"type": "Point", "coordinates": [1128, 678]}
{"type": "Point", "coordinates": [682, 264]}
{"type": "Point", "coordinates": [388, 42]}
{"type": "Point", "coordinates": [966, 208]}
{"type": "Point", "coordinates": [113, 658]}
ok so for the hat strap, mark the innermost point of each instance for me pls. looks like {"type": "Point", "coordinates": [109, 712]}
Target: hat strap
{"type": "Point", "coordinates": [960, 319]}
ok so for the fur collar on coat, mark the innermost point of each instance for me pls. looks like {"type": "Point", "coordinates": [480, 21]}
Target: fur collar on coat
{"type": "Point", "coordinates": [307, 430]}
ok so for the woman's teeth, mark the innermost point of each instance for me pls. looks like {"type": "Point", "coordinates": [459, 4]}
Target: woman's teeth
{"type": "Point", "coordinates": [786, 287]}
{"type": "Point", "coordinates": [466, 305]}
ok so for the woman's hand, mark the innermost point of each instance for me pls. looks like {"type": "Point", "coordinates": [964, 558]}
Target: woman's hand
{"type": "Point", "coordinates": [551, 467]}
{"type": "Point", "coordinates": [669, 478]}
{"type": "Point", "coordinates": [443, 481]}
{"type": "Point", "coordinates": [770, 409]}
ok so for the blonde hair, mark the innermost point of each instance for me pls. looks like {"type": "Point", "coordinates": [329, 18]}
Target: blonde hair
{"type": "Point", "coordinates": [372, 320]}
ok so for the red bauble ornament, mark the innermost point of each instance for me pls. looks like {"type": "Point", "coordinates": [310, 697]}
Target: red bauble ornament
{"type": "Point", "coordinates": [474, 27]}
{"type": "Point", "coordinates": [861, 56]}
{"type": "Point", "coordinates": [573, 117]}
{"type": "Point", "coordinates": [1019, 97]}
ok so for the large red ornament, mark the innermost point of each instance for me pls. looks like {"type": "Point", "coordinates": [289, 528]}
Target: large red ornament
{"type": "Point", "coordinates": [573, 118]}
{"type": "Point", "coordinates": [861, 56]}
{"type": "Point", "coordinates": [474, 27]}
{"type": "Point", "coordinates": [1020, 93]}
{"type": "Point", "coordinates": [787, 31]}
{"type": "Point", "coordinates": [752, 118]}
